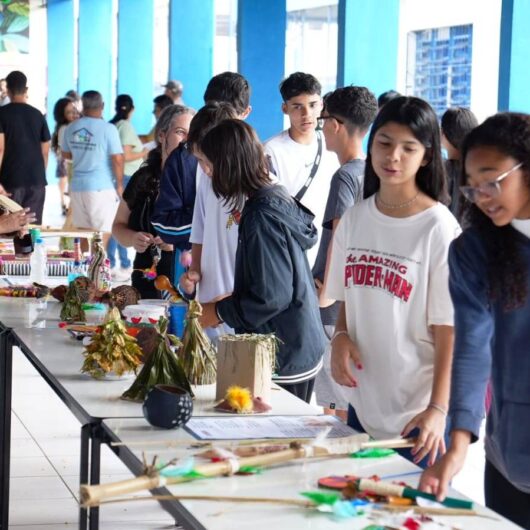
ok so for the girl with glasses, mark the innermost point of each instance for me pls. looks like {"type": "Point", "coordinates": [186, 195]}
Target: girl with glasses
{"type": "Point", "coordinates": [489, 282]}
{"type": "Point", "coordinates": [394, 334]}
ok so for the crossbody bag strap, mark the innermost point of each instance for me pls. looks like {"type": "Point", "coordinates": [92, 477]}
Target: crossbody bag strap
{"type": "Point", "coordinates": [314, 169]}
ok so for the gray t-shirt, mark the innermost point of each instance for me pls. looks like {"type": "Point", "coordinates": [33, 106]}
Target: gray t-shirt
{"type": "Point", "coordinates": [345, 190]}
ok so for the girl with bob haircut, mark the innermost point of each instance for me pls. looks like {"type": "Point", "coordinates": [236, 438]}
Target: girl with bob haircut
{"type": "Point", "coordinates": [489, 283]}
{"type": "Point", "coordinates": [394, 334]}
{"type": "Point", "coordinates": [273, 286]}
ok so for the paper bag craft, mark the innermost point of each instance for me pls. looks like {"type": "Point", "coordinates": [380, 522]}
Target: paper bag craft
{"type": "Point", "coordinates": [247, 361]}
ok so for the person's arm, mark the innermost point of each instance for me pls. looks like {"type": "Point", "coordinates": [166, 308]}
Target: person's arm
{"type": "Point", "coordinates": [45, 148]}
{"type": "Point", "coordinates": [323, 300]}
{"type": "Point", "coordinates": [66, 155]}
{"type": "Point", "coordinates": [431, 422]}
{"type": "Point", "coordinates": [471, 365]}
{"type": "Point", "coordinates": [124, 235]}
{"type": "Point", "coordinates": [129, 155]}
{"type": "Point", "coordinates": [117, 170]}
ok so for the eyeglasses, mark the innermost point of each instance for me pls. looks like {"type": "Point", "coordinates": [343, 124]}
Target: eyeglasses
{"type": "Point", "coordinates": [321, 119]}
{"type": "Point", "coordinates": [487, 189]}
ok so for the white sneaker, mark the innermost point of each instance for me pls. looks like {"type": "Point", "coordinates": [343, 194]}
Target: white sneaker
{"type": "Point", "coordinates": [121, 274]}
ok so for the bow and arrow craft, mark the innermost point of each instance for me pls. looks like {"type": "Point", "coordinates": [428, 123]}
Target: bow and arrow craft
{"type": "Point", "coordinates": [93, 495]}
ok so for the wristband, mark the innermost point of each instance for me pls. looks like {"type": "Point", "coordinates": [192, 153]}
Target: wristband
{"type": "Point", "coordinates": [338, 333]}
{"type": "Point", "coordinates": [221, 321]}
{"type": "Point", "coordinates": [437, 407]}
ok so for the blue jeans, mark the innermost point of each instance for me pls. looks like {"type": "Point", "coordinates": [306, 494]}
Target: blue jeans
{"type": "Point", "coordinates": [125, 262]}
{"type": "Point", "coordinates": [354, 423]}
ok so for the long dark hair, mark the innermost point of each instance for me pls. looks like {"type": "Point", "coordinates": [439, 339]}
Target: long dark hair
{"type": "Point", "coordinates": [238, 161]}
{"type": "Point", "coordinates": [60, 119]}
{"type": "Point", "coordinates": [419, 117]}
{"type": "Point", "coordinates": [509, 133]}
{"type": "Point", "coordinates": [123, 106]}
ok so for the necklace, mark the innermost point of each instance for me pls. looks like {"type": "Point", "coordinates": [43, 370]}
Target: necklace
{"type": "Point", "coordinates": [396, 206]}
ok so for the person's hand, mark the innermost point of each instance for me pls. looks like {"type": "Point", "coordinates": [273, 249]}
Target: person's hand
{"type": "Point", "coordinates": [188, 282]}
{"type": "Point", "coordinates": [141, 241]}
{"type": "Point", "coordinates": [435, 479]}
{"type": "Point", "coordinates": [209, 318]}
{"type": "Point", "coordinates": [430, 441]}
{"type": "Point", "coordinates": [166, 247]}
{"type": "Point", "coordinates": [16, 221]}
{"type": "Point", "coordinates": [344, 350]}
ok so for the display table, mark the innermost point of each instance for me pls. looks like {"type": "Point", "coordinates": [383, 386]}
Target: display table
{"type": "Point", "coordinates": [282, 482]}
{"type": "Point", "coordinates": [58, 358]}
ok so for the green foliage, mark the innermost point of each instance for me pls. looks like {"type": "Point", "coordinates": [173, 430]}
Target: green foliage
{"type": "Point", "coordinates": [162, 367]}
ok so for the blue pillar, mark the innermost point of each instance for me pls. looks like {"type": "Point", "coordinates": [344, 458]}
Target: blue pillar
{"type": "Point", "coordinates": [514, 74]}
{"type": "Point", "coordinates": [191, 35]}
{"type": "Point", "coordinates": [135, 58]}
{"type": "Point", "coordinates": [95, 50]}
{"type": "Point", "coordinates": [261, 59]}
{"type": "Point", "coordinates": [61, 58]}
{"type": "Point", "coordinates": [368, 44]}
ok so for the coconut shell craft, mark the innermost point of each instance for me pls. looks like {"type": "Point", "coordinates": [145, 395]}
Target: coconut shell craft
{"type": "Point", "coordinates": [112, 349]}
{"type": "Point", "coordinates": [197, 353]}
{"type": "Point", "coordinates": [79, 292]}
{"type": "Point", "coordinates": [162, 367]}
{"type": "Point", "coordinates": [121, 296]}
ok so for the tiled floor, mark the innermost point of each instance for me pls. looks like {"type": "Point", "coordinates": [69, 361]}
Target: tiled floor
{"type": "Point", "coordinates": [45, 457]}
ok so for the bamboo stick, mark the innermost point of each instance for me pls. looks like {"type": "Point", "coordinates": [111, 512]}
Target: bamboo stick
{"type": "Point", "coordinates": [92, 495]}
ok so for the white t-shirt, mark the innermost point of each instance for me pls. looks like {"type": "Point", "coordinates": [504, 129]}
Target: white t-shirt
{"type": "Point", "coordinates": [216, 230]}
{"type": "Point", "coordinates": [293, 163]}
{"type": "Point", "coordinates": [393, 275]}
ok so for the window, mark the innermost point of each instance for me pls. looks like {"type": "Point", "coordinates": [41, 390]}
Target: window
{"type": "Point", "coordinates": [439, 66]}
{"type": "Point", "coordinates": [312, 40]}
{"type": "Point", "coordinates": [225, 43]}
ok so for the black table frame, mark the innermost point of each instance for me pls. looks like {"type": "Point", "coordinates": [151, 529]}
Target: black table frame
{"type": "Point", "coordinates": [92, 436]}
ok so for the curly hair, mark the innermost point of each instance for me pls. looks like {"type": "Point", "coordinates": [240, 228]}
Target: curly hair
{"type": "Point", "coordinates": [60, 120]}
{"type": "Point", "coordinates": [509, 133]}
{"type": "Point", "coordinates": [419, 117]}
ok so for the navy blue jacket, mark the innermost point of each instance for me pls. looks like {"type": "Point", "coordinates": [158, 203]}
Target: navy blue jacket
{"type": "Point", "coordinates": [490, 343]}
{"type": "Point", "coordinates": [173, 210]}
{"type": "Point", "coordinates": [273, 285]}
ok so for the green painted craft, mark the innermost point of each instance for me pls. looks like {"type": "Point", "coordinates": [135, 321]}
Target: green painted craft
{"type": "Point", "coordinates": [375, 452]}
{"type": "Point", "coordinates": [319, 497]}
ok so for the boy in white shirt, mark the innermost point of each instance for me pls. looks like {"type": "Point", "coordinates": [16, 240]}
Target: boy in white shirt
{"type": "Point", "coordinates": [298, 155]}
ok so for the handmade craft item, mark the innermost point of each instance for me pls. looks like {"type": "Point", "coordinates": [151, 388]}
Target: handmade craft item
{"type": "Point", "coordinates": [240, 401]}
{"type": "Point", "coordinates": [162, 367]}
{"type": "Point", "coordinates": [91, 495]}
{"type": "Point", "coordinates": [197, 352]}
{"type": "Point", "coordinates": [162, 283]}
{"type": "Point", "coordinates": [396, 490]}
{"type": "Point", "coordinates": [246, 360]}
{"type": "Point", "coordinates": [78, 293]}
{"type": "Point", "coordinates": [121, 297]}
{"type": "Point", "coordinates": [112, 349]}
{"type": "Point", "coordinates": [99, 268]}
{"type": "Point", "coordinates": [167, 406]}
{"type": "Point", "coordinates": [151, 273]}
{"type": "Point", "coordinates": [35, 290]}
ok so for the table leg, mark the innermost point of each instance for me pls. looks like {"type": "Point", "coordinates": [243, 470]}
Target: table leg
{"type": "Point", "coordinates": [86, 431]}
{"type": "Point", "coordinates": [6, 375]}
{"type": "Point", "coordinates": [95, 468]}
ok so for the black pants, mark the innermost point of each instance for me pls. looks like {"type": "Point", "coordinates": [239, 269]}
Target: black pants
{"type": "Point", "coordinates": [303, 390]}
{"type": "Point", "coordinates": [31, 197]}
{"type": "Point", "coordinates": [504, 498]}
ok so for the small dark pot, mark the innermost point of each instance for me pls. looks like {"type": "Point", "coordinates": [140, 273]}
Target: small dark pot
{"type": "Point", "coordinates": [167, 406]}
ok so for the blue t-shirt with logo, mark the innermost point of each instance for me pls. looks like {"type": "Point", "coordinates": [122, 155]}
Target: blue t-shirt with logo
{"type": "Point", "coordinates": [91, 141]}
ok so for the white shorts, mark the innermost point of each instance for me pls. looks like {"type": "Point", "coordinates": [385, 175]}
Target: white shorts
{"type": "Point", "coordinates": [94, 209]}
